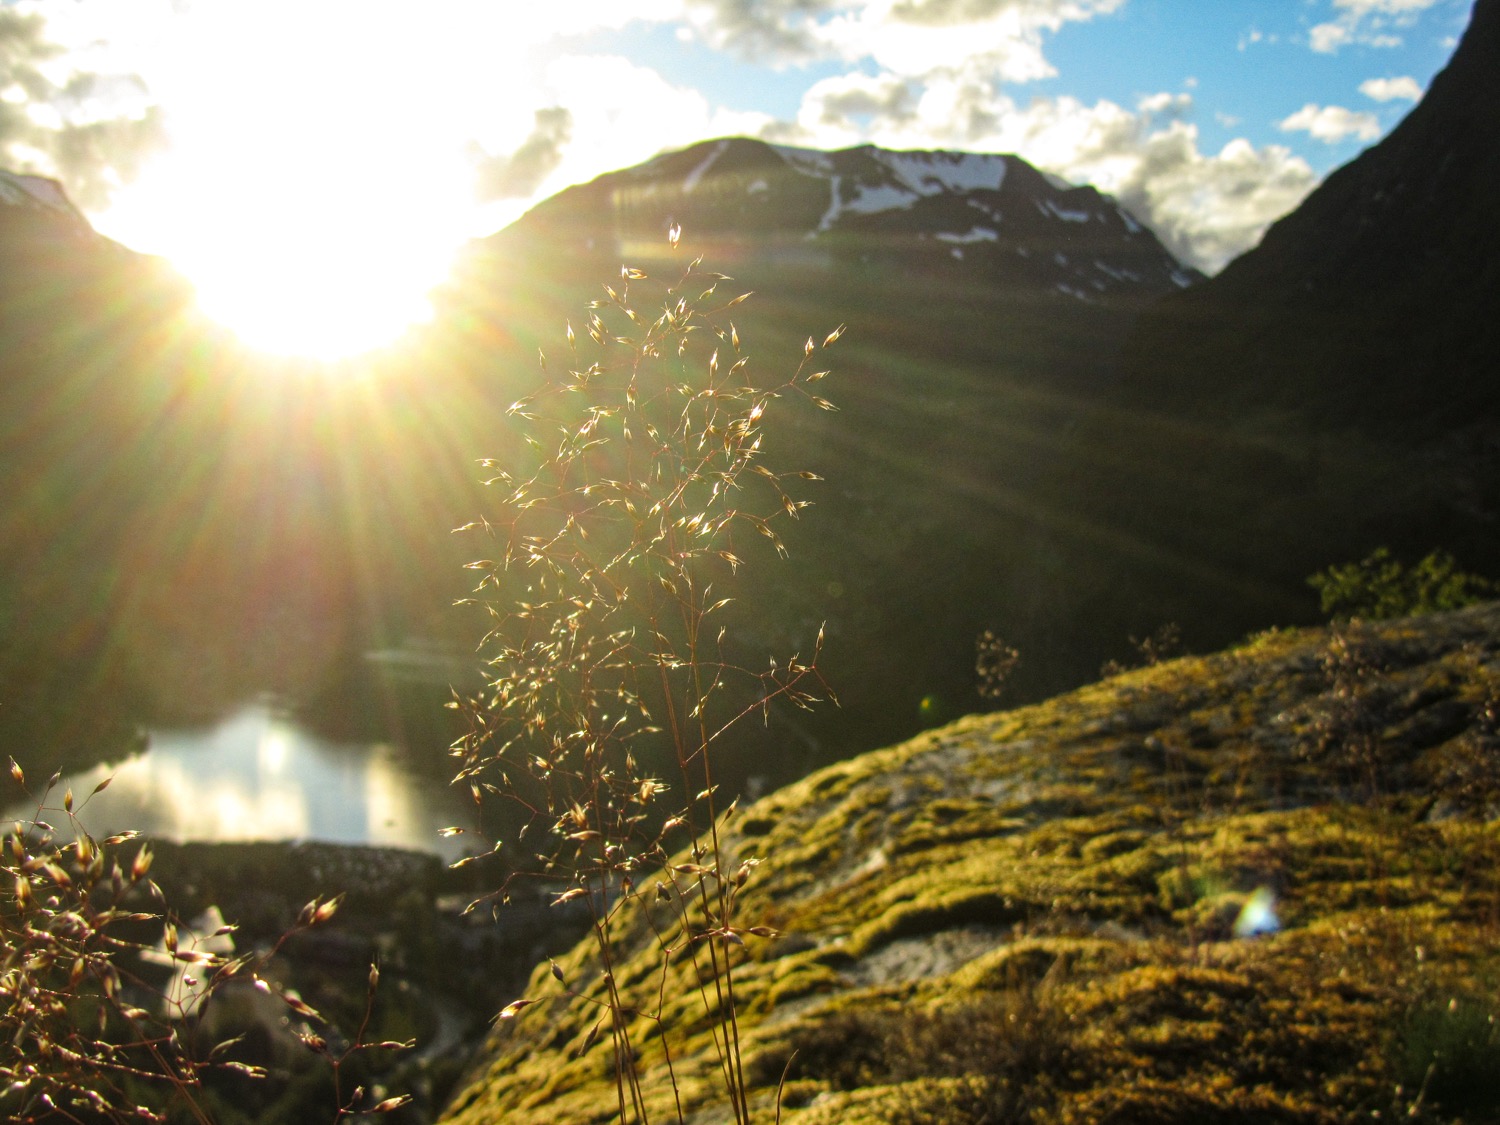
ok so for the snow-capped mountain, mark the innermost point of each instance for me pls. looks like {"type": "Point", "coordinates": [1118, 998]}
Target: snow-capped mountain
{"type": "Point", "coordinates": [981, 216]}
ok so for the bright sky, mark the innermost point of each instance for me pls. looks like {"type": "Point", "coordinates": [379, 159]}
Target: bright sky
{"type": "Point", "coordinates": [311, 165]}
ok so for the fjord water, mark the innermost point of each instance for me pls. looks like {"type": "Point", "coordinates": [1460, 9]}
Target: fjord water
{"type": "Point", "coordinates": [259, 775]}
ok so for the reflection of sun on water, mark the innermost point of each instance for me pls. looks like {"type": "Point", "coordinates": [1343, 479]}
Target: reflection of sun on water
{"type": "Point", "coordinates": [271, 750]}
{"type": "Point", "coordinates": [392, 809]}
{"type": "Point", "coordinates": [257, 776]}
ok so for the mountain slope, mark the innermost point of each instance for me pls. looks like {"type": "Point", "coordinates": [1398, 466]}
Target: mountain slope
{"type": "Point", "coordinates": [185, 524]}
{"type": "Point", "coordinates": [1380, 294]}
{"type": "Point", "coordinates": [1234, 888]}
{"type": "Point", "coordinates": [756, 207]}
{"type": "Point", "coordinates": [985, 303]}
{"type": "Point", "coordinates": [1330, 392]}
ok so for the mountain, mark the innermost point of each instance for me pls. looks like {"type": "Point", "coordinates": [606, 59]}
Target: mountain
{"type": "Point", "coordinates": [1330, 392]}
{"type": "Point", "coordinates": [1194, 892]}
{"type": "Point", "coordinates": [984, 301]}
{"type": "Point", "coordinates": [79, 439]}
{"type": "Point", "coordinates": [1047, 426]}
{"type": "Point", "coordinates": [175, 524]}
{"type": "Point", "coordinates": [990, 219]}
{"type": "Point", "coordinates": [1374, 303]}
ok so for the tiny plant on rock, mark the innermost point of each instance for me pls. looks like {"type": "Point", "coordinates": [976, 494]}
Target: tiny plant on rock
{"type": "Point", "coordinates": [639, 487]}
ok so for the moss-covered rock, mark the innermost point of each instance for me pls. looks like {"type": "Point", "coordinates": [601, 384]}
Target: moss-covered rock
{"type": "Point", "coordinates": [1257, 886]}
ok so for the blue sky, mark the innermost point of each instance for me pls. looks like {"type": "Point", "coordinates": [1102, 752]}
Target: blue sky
{"type": "Point", "coordinates": [238, 136]}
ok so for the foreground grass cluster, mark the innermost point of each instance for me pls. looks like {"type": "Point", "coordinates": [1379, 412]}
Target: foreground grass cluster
{"type": "Point", "coordinates": [637, 484]}
{"type": "Point", "coordinates": [1259, 886]}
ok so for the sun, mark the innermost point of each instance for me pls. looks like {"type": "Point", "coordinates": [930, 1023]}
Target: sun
{"type": "Point", "coordinates": [318, 262]}
{"type": "Point", "coordinates": [294, 288]}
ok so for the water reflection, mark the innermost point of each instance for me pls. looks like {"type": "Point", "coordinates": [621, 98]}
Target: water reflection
{"type": "Point", "coordinates": [258, 776]}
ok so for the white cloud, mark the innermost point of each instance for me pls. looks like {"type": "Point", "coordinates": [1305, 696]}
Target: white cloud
{"type": "Point", "coordinates": [1332, 124]}
{"type": "Point", "coordinates": [909, 37]}
{"type": "Point", "coordinates": [1164, 105]}
{"type": "Point", "coordinates": [916, 37]}
{"type": "Point", "coordinates": [65, 112]}
{"type": "Point", "coordinates": [1404, 88]}
{"type": "Point", "coordinates": [1255, 35]}
{"type": "Point", "coordinates": [1207, 208]}
{"type": "Point", "coordinates": [1368, 23]}
{"type": "Point", "coordinates": [841, 109]}
{"type": "Point", "coordinates": [622, 113]}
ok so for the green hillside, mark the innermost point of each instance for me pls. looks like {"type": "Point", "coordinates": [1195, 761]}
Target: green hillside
{"type": "Point", "coordinates": [1255, 886]}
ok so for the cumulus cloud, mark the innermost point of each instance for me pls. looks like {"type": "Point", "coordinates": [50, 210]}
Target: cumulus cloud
{"type": "Point", "coordinates": [90, 130]}
{"type": "Point", "coordinates": [769, 30]}
{"type": "Point", "coordinates": [622, 113]}
{"type": "Point", "coordinates": [1006, 38]}
{"type": "Point", "coordinates": [1368, 23]}
{"type": "Point", "coordinates": [910, 37]}
{"type": "Point", "coordinates": [1332, 124]}
{"type": "Point", "coordinates": [838, 111]}
{"type": "Point", "coordinates": [1404, 88]}
{"type": "Point", "coordinates": [521, 172]}
{"type": "Point", "coordinates": [1206, 207]}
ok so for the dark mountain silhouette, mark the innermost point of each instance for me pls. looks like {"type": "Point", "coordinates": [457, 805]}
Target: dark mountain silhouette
{"type": "Point", "coordinates": [1375, 302]}
{"type": "Point", "coordinates": [1331, 391]}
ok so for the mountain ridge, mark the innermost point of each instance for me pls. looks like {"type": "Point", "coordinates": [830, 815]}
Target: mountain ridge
{"type": "Point", "coordinates": [1328, 393]}
{"type": "Point", "coordinates": [974, 213]}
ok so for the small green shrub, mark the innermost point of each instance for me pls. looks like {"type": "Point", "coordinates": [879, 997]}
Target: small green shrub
{"type": "Point", "coordinates": [1347, 732]}
{"type": "Point", "coordinates": [1379, 587]}
{"type": "Point", "coordinates": [1160, 645]}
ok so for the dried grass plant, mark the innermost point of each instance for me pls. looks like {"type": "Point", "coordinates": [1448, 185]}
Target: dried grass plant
{"type": "Point", "coordinates": [638, 489]}
{"type": "Point", "coordinates": [87, 1032]}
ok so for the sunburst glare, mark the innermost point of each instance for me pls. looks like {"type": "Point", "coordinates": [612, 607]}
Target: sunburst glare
{"type": "Point", "coordinates": [300, 265]}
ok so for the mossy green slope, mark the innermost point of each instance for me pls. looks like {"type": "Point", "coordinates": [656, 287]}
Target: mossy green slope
{"type": "Point", "coordinates": [1032, 915]}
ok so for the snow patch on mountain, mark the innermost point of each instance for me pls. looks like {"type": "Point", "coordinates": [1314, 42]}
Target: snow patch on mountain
{"type": "Point", "coordinates": [1067, 215]}
{"type": "Point", "coordinates": [973, 234]}
{"type": "Point", "coordinates": [905, 177]}
{"type": "Point", "coordinates": [39, 194]}
{"type": "Point", "coordinates": [1114, 274]}
{"type": "Point", "coordinates": [827, 221]}
{"type": "Point", "coordinates": [885, 197]}
{"type": "Point", "coordinates": [691, 180]}
{"type": "Point", "coordinates": [810, 162]}
{"type": "Point", "coordinates": [866, 200]}
{"type": "Point", "coordinates": [928, 173]}
{"type": "Point", "coordinates": [32, 191]}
